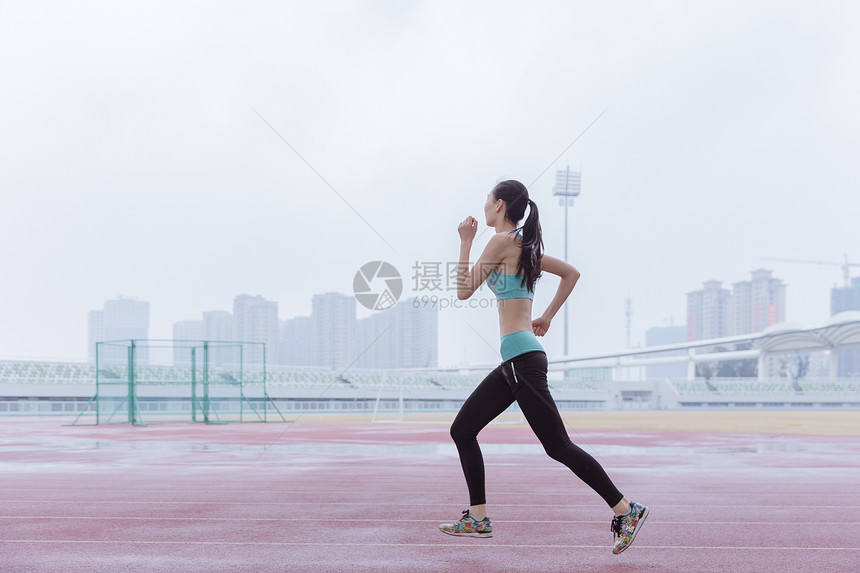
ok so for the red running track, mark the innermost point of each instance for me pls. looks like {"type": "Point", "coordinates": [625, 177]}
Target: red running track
{"type": "Point", "coordinates": [304, 497]}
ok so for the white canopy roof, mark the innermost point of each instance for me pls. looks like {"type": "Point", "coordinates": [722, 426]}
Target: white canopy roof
{"type": "Point", "coordinates": [841, 330]}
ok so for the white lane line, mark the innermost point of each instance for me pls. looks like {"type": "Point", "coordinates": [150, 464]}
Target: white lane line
{"type": "Point", "coordinates": [358, 520]}
{"type": "Point", "coordinates": [253, 503]}
{"type": "Point", "coordinates": [457, 546]}
{"type": "Point", "coordinates": [318, 485]}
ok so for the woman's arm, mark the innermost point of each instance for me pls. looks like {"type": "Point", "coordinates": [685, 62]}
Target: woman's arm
{"type": "Point", "coordinates": [569, 276]}
{"type": "Point", "coordinates": [469, 281]}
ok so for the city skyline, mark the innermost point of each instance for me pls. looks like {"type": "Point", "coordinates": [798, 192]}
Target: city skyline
{"type": "Point", "coordinates": [413, 342]}
{"type": "Point", "coordinates": [203, 329]}
{"type": "Point", "coordinates": [403, 336]}
{"type": "Point", "coordinates": [750, 306]}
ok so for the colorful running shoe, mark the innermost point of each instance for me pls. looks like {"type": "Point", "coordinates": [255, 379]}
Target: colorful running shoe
{"type": "Point", "coordinates": [468, 526]}
{"type": "Point", "coordinates": [625, 527]}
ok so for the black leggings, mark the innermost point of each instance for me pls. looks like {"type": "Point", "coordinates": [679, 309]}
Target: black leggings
{"type": "Point", "coordinates": [522, 378]}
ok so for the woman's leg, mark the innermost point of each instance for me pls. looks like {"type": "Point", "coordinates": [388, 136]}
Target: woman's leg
{"type": "Point", "coordinates": [527, 376]}
{"type": "Point", "coordinates": [488, 400]}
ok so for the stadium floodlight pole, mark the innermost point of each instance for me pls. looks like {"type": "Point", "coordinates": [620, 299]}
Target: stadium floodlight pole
{"type": "Point", "coordinates": [567, 185]}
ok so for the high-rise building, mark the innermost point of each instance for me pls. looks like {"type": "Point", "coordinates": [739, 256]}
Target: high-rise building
{"type": "Point", "coordinates": [751, 306]}
{"type": "Point", "coordinates": [296, 342]}
{"type": "Point", "coordinates": [190, 330]}
{"type": "Point", "coordinates": [332, 329]}
{"type": "Point", "coordinates": [768, 300]}
{"type": "Point", "coordinates": [403, 336]}
{"type": "Point", "coordinates": [120, 319]}
{"type": "Point", "coordinates": [375, 346]}
{"type": "Point", "coordinates": [756, 304]}
{"type": "Point", "coordinates": [255, 319]}
{"type": "Point", "coordinates": [215, 328]}
{"type": "Point", "coordinates": [740, 309]}
{"type": "Point", "coordinates": [218, 327]}
{"type": "Point", "coordinates": [842, 299]}
{"type": "Point", "coordinates": [419, 331]}
{"type": "Point", "coordinates": [845, 298]}
{"type": "Point", "coordinates": [707, 311]}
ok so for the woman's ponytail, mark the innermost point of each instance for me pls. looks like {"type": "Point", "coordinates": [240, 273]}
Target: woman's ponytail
{"type": "Point", "coordinates": [516, 198]}
{"type": "Point", "coordinates": [530, 257]}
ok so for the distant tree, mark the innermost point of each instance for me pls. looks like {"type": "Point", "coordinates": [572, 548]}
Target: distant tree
{"type": "Point", "coordinates": [748, 367]}
{"type": "Point", "coordinates": [800, 366]}
{"type": "Point", "coordinates": [725, 368]}
{"type": "Point", "coordinates": [745, 368]}
{"type": "Point", "coordinates": [706, 371]}
{"type": "Point", "coordinates": [721, 368]}
{"type": "Point", "coordinates": [782, 369]}
{"type": "Point", "coordinates": [703, 370]}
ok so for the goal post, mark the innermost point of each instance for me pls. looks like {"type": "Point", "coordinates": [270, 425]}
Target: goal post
{"type": "Point", "coordinates": [144, 381]}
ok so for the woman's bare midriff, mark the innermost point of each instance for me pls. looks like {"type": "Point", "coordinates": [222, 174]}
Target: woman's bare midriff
{"type": "Point", "coordinates": [515, 314]}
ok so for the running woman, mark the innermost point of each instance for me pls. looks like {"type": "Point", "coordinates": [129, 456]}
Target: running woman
{"type": "Point", "coordinates": [511, 263]}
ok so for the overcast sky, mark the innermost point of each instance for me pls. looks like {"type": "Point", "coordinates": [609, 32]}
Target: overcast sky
{"type": "Point", "coordinates": [133, 161]}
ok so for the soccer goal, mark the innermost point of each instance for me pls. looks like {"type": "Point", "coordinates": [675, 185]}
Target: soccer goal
{"type": "Point", "coordinates": [145, 381]}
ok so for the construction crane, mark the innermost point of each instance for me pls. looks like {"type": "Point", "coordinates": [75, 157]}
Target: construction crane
{"type": "Point", "coordinates": [846, 266]}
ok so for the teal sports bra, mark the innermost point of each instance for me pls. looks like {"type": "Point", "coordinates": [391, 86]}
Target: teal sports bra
{"type": "Point", "coordinates": [505, 285]}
